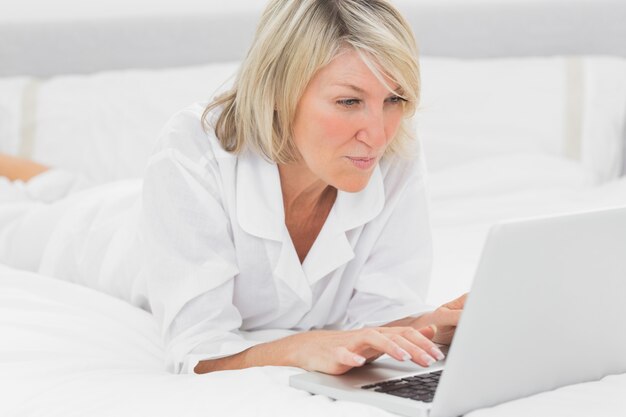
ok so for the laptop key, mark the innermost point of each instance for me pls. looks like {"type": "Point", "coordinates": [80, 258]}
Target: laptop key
{"type": "Point", "coordinates": [390, 388]}
{"type": "Point", "coordinates": [418, 387]}
{"type": "Point", "coordinates": [402, 393]}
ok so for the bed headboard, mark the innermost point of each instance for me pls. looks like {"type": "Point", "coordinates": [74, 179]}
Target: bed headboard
{"type": "Point", "coordinates": [189, 33]}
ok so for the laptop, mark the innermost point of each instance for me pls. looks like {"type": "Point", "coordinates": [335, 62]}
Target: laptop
{"type": "Point", "coordinates": [546, 310]}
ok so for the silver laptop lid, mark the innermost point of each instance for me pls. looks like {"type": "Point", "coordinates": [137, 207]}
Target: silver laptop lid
{"type": "Point", "coordinates": [547, 309]}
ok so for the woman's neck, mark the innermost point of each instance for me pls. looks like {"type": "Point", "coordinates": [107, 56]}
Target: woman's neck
{"type": "Point", "coordinates": [307, 202]}
{"type": "Point", "coordinates": [302, 191]}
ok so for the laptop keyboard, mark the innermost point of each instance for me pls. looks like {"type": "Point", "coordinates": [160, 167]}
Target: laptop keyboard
{"type": "Point", "coordinates": [418, 387]}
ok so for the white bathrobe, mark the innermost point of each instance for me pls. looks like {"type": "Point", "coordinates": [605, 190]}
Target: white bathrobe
{"type": "Point", "coordinates": [201, 242]}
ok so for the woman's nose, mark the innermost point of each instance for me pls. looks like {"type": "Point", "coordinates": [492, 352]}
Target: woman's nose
{"type": "Point", "coordinates": [373, 132]}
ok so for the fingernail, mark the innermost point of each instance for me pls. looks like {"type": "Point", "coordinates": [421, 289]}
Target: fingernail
{"type": "Point", "coordinates": [428, 359]}
{"type": "Point", "coordinates": [434, 327]}
{"type": "Point", "coordinates": [403, 354]}
{"type": "Point", "coordinates": [438, 354]}
{"type": "Point", "coordinates": [359, 359]}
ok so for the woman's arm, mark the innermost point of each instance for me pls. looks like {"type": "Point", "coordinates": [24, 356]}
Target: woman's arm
{"type": "Point", "coordinates": [19, 169]}
{"type": "Point", "coordinates": [334, 352]}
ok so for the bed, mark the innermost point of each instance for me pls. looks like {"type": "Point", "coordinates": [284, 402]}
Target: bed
{"type": "Point", "coordinates": [523, 113]}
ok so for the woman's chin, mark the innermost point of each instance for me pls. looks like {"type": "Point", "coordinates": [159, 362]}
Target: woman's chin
{"type": "Point", "coordinates": [352, 185]}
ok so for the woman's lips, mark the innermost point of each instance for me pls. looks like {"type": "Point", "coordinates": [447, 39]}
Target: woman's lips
{"type": "Point", "coordinates": [363, 163]}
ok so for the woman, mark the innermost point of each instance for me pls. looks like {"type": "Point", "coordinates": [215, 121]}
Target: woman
{"type": "Point", "coordinates": [294, 201]}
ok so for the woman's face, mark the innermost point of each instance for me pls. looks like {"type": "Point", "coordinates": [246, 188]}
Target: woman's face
{"type": "Point", "coordinates": [344, 122]}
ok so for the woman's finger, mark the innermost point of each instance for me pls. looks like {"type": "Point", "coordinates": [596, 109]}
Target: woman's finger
{"type": "Point", "coordinates": [428, 331]}
{"type": "Point", "coordinates": [349, 358]}
{"type": "Point", "coordinates": [375, 339]}
{"type": "Point", "coordinates": [457, 304]}
{"type": "Point", "coordinates": [422, 338]}
{"type": "Point", "coordinates": [417, 338]}
{"type": "Point", "coordinates": [419, 354]}
{"type": "Point", "coordinates": [431, 347]}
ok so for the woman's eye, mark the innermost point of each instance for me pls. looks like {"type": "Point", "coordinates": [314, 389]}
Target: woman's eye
{"type": "Point", "coordinates": [396, 99]}
{"type": "Point", "coordinates": [349, 102]}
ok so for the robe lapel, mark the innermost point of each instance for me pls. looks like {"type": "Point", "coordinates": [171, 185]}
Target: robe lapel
{"type": "Point", "coordinates": [259, 197]}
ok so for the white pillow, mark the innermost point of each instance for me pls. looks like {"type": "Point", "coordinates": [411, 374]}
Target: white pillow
{"type": "Point", "coordinates": [572, 107]}
{"type": "Point", "coordinates": [105, 125]}
{"type": "Point", "coordinates": [11, 107]}
{"type": "Point", "coordinates": [471, 109]}
{"type": "Point", "coordinates": [513, 173]}
{"type": "Point", "coordinates": [603, 146]}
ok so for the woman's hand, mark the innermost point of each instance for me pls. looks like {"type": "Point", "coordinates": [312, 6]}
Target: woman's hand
{"type": "Point", "coordinates": [445, 318]}
{"type": "Point", "coordinates": [336, 352]}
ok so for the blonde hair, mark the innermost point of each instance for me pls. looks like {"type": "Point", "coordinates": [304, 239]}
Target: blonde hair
{"type": "Point", "coordinates": [295, 39]}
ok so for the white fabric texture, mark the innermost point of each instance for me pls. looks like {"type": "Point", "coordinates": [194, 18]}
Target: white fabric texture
{"type": "Point", "coordinates": [472, 109]}
{"type": "Point", "coordinates": [467, 199]}
{"type": "Point", "coordinates": [604, 99]}
{"type": "Point", "coordinates": [105, 125]}
{"type": "Point", "coordinates": [48, 187]}
{"type": "Point", "coordinates": [11, 92]}
{"type": "Point", "coordinates": [29, 215]}
{"type": "Point", "coordinates": [206, 249]}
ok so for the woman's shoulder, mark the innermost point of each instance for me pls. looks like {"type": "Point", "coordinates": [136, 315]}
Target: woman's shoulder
{"type": "Point", "coordinates": [186, 135]}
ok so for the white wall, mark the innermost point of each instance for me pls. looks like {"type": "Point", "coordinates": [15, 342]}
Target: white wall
{"type": "Point", "coordinates": [51, 10]}
{"type": "Point", "coordinates": [46, 10]}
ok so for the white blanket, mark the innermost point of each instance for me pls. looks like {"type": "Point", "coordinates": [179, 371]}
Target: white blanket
{"type": "Point", "coordinates": [70, 351]}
